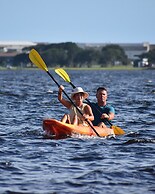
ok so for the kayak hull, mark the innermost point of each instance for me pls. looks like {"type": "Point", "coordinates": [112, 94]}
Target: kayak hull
{"type": "Point", "coordinates": [59, 129]}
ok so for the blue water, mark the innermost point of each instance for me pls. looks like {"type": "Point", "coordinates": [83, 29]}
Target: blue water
{"type": "Point", "coordinates": [32, 163]}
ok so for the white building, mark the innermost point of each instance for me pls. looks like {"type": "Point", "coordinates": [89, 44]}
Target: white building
{"type": "Point", "coordinates": [14, 46]}
{"type": "Point", "coordinates": [9, 49]}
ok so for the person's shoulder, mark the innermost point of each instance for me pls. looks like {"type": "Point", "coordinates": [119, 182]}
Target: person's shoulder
{"type": "Point", "coordinates": [93, 105]}
{"type": "Point", "coordinates": [110, 107]}
{"type": "Point", "coordinates": [86, 104]}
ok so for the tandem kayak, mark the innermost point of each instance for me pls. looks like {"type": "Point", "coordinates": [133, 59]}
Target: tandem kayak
{"type": "Point", "coordinates": [59, 129]}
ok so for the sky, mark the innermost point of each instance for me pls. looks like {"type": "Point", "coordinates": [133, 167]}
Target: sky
{"type": "Point", "coordinates": [79, 21]}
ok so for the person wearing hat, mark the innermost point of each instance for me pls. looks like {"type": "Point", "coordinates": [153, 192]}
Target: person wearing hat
{"type": "Point", "coordinates": [74, 117]}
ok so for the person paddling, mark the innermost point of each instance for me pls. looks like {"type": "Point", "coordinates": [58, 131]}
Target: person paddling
{"type": "Point", "coordinates": [101, 110]}
{"type": "Point", "coordinates": [74, 117]}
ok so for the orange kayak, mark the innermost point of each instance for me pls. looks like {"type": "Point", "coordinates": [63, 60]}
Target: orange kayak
{"type": "Point", "coordinates": [59, 129]}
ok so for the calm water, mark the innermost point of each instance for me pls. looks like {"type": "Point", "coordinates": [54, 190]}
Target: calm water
{"type": "Point", "coordinates": [31, 163]}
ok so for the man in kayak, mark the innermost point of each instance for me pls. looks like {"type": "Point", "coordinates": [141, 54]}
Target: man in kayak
{"type": "Point", "coordinates": [74, 117]}
{"type": "Point", "coordinates": [101, 110]}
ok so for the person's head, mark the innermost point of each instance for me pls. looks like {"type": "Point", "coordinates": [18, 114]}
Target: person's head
{"type": "Point", "coordinates": [79, 93]}
{"type": "Point", "coordinates": [101, 95]}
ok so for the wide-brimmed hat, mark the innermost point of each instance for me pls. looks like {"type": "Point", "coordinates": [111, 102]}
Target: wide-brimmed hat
{"type": "Point", "coordinates": [79, 90]}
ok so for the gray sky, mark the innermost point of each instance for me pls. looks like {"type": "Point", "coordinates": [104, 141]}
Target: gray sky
{"type": "Point", "coordinates": [85, 21]}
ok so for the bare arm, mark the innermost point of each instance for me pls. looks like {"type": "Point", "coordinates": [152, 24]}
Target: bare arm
{"type": "Point", "coordinates": [88, 113]}
{"type": "Point", "coordinates": [65, 102]}
{"type": "Point", "coordinates": [109, 116]}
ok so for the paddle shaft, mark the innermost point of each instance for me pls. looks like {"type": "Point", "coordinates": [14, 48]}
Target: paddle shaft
{"type": "Point", "coordinates": [72, 103]}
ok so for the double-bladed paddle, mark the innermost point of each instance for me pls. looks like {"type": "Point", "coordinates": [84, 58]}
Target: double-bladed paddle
{"type": "Point", "coordinates": [62, 73]}
{"type": "Point", "coordinates": [38, 61]}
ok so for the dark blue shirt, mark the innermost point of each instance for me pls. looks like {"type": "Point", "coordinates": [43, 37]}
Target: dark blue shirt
{"type": "Point", "coordinates": [99, 110]}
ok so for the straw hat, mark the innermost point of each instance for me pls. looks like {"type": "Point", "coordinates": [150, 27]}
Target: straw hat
{"type": "Point", "coordinates": [79, 90]}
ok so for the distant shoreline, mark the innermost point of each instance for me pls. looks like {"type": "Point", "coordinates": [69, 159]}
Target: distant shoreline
{"type": "Point", "coordinates": [83, 68]}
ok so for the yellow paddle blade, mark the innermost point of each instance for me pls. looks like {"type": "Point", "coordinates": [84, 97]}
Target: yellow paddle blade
{"type": "Point", "coordinates": [117, 130]}
{"type": "Point", "coordinates": [63, 74]}
{"type": "Point", "coordinates": [37, 60]}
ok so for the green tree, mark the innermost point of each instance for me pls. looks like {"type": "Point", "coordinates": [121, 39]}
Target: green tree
{"type": "Point", "coordinates": [55, 57]}
{"type": "Point", "coordinates": [21, 60]}
{"type": "Point", "coordinates": [86, 57]}
{"type": "Point", "coordinates": [71, 49]}
{"type": "Point", "coordinates": [113, 54]}
{"type": "Point", "coordinates": [62, 54]}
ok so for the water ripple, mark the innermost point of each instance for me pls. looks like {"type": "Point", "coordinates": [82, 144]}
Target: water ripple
{"type": "Point", "coordinates": [32, 163]}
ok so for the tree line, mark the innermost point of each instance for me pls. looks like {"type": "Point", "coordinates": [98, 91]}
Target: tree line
{"type": "Point", "coordinates": [70, 55]}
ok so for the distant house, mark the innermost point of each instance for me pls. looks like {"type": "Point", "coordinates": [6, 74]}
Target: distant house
{"type": "Point", "coordinates": [14, 46]}
{"type": "Point", "coordinates": [9, 49]}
